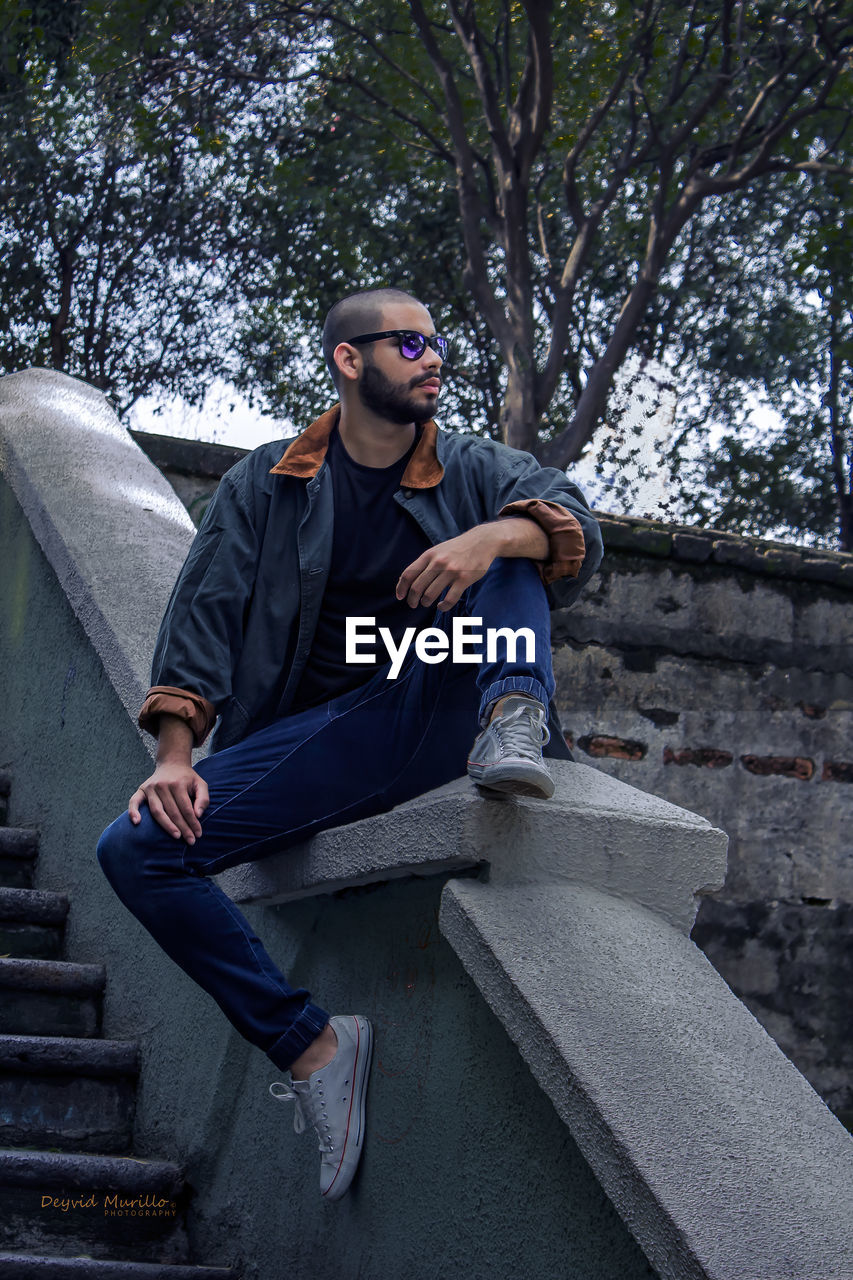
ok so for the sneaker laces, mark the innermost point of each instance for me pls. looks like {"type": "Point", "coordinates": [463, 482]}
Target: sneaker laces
{"type": "Point", "coordinates": [514, 732]}
{"type": "Point", "coordinates": [309, 1108]}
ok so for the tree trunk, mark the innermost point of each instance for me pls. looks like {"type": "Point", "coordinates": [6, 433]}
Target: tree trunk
{"type": "Point", "coordinates": [842, 468]}
{"type": "Point", "coordinates": [59, 322]}
{"type": "Point", "coordinates": [568, 445]}
{"type": "Point", "coordinates": [845, 521]}
{"type": "Point", "coordinates": [518, 425]}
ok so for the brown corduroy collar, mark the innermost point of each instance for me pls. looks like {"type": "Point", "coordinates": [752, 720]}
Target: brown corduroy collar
{"type": "Point", "coordinates": [304, 456]}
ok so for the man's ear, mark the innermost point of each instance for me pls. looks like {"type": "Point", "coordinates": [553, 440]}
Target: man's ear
{"type": "Point", "coordinates": [347, 361]}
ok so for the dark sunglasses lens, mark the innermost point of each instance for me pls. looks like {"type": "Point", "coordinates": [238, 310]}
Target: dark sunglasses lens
{"type": "Point", "coordinates": [412, 346]}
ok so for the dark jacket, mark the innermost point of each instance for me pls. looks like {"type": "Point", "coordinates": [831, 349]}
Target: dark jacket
{"type": "Point", "coordinates": [238, 627]}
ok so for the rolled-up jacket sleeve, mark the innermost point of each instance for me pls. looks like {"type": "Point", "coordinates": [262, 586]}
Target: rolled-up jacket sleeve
{"type": "Point", "coordinates": [546, 495]}
{"type": "Point", "coordinates": [163, 699]}
{"type": "Point", "coordinates": [566, 545]}
{"type": "Point", "coordinates": [201, 634]}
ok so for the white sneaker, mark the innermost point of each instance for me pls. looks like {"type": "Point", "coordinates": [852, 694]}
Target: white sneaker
{"type": "Point", "coordinates": [332, 1100]}
{"type": "Point", "coordinates": [507, 755]}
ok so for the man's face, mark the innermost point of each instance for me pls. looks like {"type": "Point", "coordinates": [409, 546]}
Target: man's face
{"type": "Point", "coordinates": [400, 390]}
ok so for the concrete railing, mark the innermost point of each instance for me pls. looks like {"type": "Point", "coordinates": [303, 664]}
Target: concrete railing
{"type": "Point", "coordinates": [571, 922]}
{"type": "Point", "coordinates": [109, 525]}
{"type": "Point", "coordinates": [714, 670]}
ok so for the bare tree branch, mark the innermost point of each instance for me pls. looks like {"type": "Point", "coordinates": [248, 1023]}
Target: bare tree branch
{"type": "Point", "coordinates": [532, 110]}
{"type": "Point", "coordinates": [438, 148]}
{"type": "Point", "coordinates": [470, 204]}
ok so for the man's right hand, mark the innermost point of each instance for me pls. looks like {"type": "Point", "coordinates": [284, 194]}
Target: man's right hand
{"type": "Point", "coordinates": [176, 795]}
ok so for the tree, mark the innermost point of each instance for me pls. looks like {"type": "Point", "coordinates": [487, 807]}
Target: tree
{"type": "Point", "coordinates": [786, 344]}
{"type": "Point", "coordinates": [689, 104]}
{"type": "Point", "coordinates": [594, 155]}
{"type": "Point", "coordinates": [115, 203]}
{"type": "Point", "coordinates": [564, 178]}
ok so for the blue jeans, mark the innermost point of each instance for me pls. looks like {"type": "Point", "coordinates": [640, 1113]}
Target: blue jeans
{"type": "Point", "coordinates": [361, 754]}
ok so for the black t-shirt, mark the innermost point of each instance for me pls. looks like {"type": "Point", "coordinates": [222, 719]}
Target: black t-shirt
{"type": "Point", "coordinates": [374, 540]}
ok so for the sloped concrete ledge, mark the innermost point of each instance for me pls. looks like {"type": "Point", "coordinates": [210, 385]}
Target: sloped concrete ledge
{"type": "Point", "coordinates": [596, 830]}
{"type": "Point", "coordinates": [87, 490]}
{"type": "Point", "coordinates": [362, 853]}
{"type": "Point", "coordinates": [63, 452]}
{"type": "Point", "coordinates": [720, 1158]}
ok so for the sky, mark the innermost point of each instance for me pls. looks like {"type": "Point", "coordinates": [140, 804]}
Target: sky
{"type": "Point", "coordinates": [624, 473]}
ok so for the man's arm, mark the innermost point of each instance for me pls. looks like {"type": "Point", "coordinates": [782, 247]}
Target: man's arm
{"type": "Point", "coordinates": [456, 564]}
{"type": "Point", "coordinates": [176, 795]}
{"type": "Point", "coordinates": [547, 497]}
{"type": "Point", "coordinates": [526, 500]}
{"type": "Point", "coordinates": [193, 658]}
{"type": "Point", "coordinates": [202, 628]}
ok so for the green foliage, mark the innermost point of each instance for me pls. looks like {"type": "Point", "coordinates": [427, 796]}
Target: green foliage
{"type": "Point", "coordinates": [186, 187]}
{"type": "Point", "coordinates": [115, 203]}
{"type": "Point", "coordinates": [773, 340]}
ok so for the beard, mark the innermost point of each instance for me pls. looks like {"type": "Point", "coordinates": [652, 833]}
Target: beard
{"type": "Point", "coordinates": [392, 400]}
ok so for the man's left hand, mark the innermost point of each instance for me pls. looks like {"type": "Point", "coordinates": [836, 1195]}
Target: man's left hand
{"type": "Point", "coordinates": [454, 565]}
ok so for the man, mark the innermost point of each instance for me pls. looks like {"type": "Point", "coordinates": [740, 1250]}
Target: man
{"type": "Point", "coordinates": [372, 517]}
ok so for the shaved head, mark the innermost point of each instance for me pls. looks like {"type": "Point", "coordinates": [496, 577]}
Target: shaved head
{"type": "Point", "coordinates": [359, 313]}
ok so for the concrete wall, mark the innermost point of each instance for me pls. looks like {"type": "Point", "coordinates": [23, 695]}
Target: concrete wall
{"type": "Point", "coordinates": [468, 1172]}
{"type": "Point", "coordinates": [725, 684]}
{"type": "Point", "coordinates": [711, 1146]}
{"type": "Point", "coordinates": [715, 671]}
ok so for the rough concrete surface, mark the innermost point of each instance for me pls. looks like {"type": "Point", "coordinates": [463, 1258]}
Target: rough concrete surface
{"type": "Point", "coordinates": [359, 853]}
{"type": "Point", "coordinates": [792, 965]}
{"type": "Point", "coordinates": [714, 670]}
{"type": "Point", "coordinates": [447, 1139]}
{"type": "Point", "coordinates": [716, 1152]}
{"type": "Point", "coordinates": [678, 692]}
{"type": "Point", "coordinates": [78, 476]}
{"type": "Point", "coordinates": [694, 722]}
{"type": "Point", "coordinates": [595, 830]}
{"type": "Point", "coordinates": [712, 613]}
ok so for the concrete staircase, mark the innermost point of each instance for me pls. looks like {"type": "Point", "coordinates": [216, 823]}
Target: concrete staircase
{"type": "Point", "coordinates": [74, 1201]}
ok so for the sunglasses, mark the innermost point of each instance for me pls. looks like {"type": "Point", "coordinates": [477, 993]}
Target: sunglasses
{"type": "Point", "coordinates": [412, 344]}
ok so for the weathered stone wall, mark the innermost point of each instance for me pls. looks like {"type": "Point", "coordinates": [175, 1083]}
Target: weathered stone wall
{"type": "Point", "coordinates": [716, 672]}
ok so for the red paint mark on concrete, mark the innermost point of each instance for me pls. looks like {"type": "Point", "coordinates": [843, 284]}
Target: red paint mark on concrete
{"type": "Point", "coordinates": [799, 767]}
{"type": "Point", "coordinates": [812, 710]}
{"type": "Point", "coordinates": [702, 757]}
{"type": "Point", "coordinates": [837, 771]}
{"type": "Point", "coordinates": [601, 744]}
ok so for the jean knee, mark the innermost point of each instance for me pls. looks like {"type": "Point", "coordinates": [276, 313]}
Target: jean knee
{"type": "Point", "coordinates": [123, 852]}
{"type": "Point", "coordinates": [111, 850]}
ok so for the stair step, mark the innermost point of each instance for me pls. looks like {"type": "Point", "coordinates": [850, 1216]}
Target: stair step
{"type": "Point", "coordinates": [62, 1055]}
{"type": "Point", "coordinates": [97, 1205]}
{"type": "Point", "coordinates": [19, 848]}
{"type": "Point", "coordinates": [19, 1266]}
{"type": "Point", "coordinates": [50, 997]}
{"type": "Point", "coordinates": [75, 1094]}
{"type": "Point", "coordinates": [31, 922]}
{"type": "Point", "coordinates": [36, 906]}
{"type": "Point", "coordinates": [80, 1209]}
